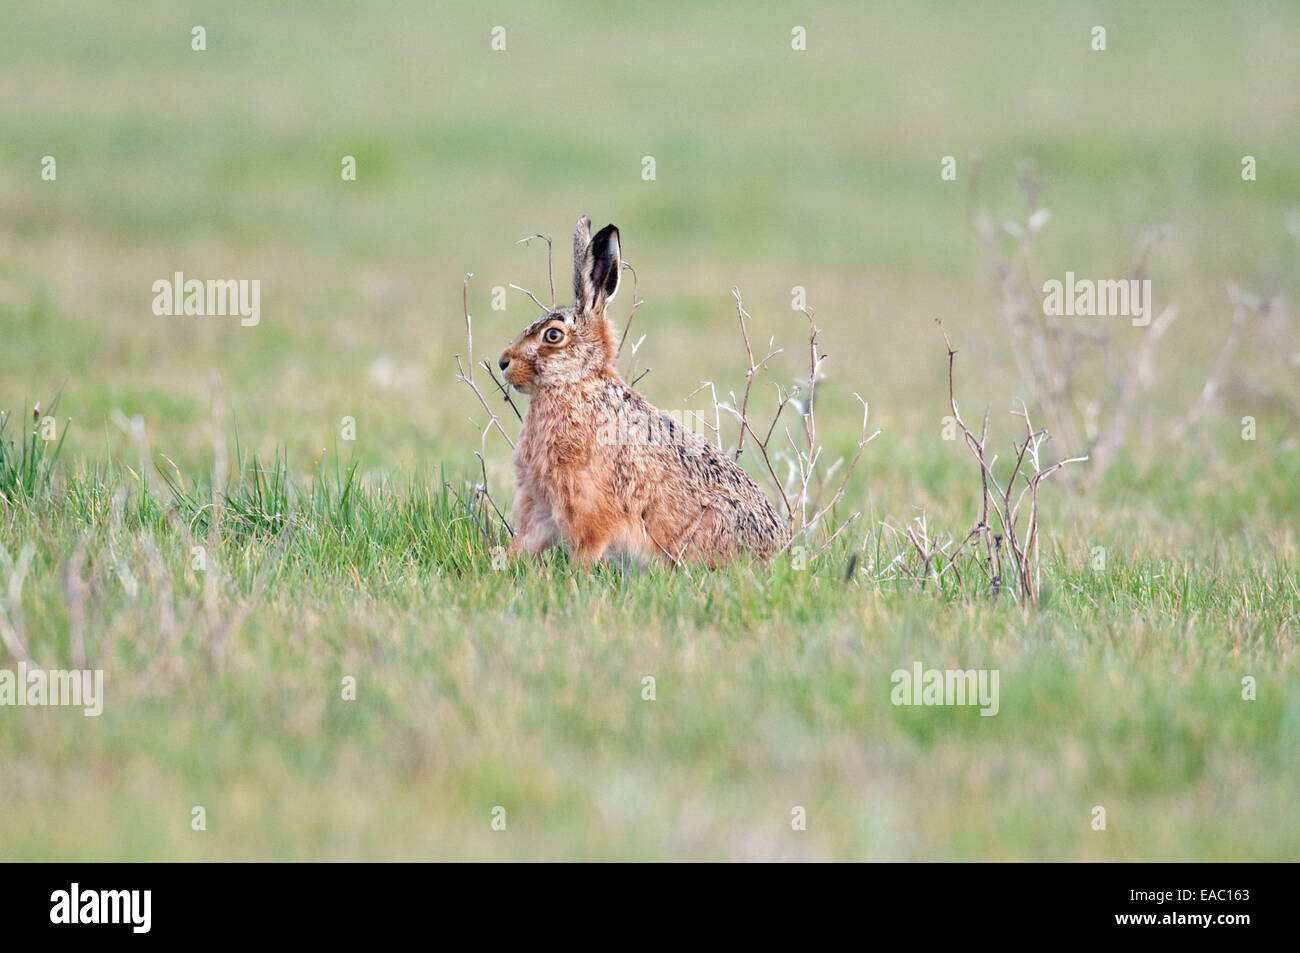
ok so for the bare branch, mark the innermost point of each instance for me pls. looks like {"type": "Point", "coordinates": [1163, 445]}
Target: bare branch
{"type": "Point", "coordinates": [1020, 549]}
{"type": "Point", "coordinates": [550, 272]}
{"type": "Point", "coordinates": [636, 303]}
{"type": "Point", "coordinates": [483, 491]}
{"type": "Point", "coordinates": [468, 379]}
{"type": "Point", "coordinates": [531, 295]}
{"type": "Point", "coordinates": [501, 387]}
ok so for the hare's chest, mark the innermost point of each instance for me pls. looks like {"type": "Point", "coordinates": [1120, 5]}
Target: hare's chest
{"type": "Point", "coordinates": [562, 432]}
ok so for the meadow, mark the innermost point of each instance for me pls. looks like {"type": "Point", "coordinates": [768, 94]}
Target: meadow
{"type": "Point", "coordinates": [234, 521]}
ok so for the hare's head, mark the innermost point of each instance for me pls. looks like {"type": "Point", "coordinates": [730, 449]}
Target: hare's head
{"type": "Point", "coordinates": [568, 344]}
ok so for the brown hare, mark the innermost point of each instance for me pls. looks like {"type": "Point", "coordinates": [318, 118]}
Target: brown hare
{"type": "Point", "coordinates": [597, 466]}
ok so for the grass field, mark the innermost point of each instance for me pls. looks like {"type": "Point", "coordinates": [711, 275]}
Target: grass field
{"type": "Point", "coordinates": [521, 687]}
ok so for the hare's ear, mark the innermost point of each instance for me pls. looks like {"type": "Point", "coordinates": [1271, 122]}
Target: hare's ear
{"type": "Point", "coordinates": [606, 266]}
{"type": "Point", "coordinates": [584, 293]}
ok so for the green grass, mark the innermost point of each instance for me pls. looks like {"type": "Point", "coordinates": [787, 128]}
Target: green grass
{"type": "Point", "coordinates": [479, 686]}
{"type": "Point", "coordinates": [27, 457]}
{"type": "Point", "coordinates": [523, 688]}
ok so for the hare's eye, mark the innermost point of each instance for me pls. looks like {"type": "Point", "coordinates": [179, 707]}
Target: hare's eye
{"type": "Point", "coordinates": [552, 335]}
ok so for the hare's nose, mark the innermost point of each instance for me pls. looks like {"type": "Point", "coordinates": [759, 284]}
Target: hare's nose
{"type": "Point", "coordinates": [504, 362]}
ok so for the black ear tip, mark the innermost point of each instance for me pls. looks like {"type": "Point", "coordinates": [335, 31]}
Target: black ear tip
{"type": "Point", "coordinates": [606, 235]}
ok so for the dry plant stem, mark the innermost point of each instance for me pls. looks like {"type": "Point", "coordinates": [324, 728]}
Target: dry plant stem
{"type": "Point", "coordinates": [952, 564]}
{"type": "Point", "coordinates": [929, 552]}
{"type": "Point", "coordinates": [493, 421]}
{"type": "Point", "coordinates": [714, 428]}
{"type": "Point", "coordinates": [1023, 554]}
{"type": "Point", "coordinates": [662, 548]}
{"type": "Point", "coordinates": [977, 448]}
{"type": "Point", "coordinates": [805, 464]}
{"type": "Point", "coordinates": [472, 508]}
{"type": "Point", "coordinates": [463, 378]}
{"type": "Point", "coordinates": [957, 551]}
{"type": "Point", "coordinates": [749, 374]}
{"type": "Point", "coordinates": [501, 387]}
{"type": "Point", "coordinates": [830, 539]}
{"type": "Point", "coordinates": [983, 528]}
{"type": "Point", "coordinates": [536, 300]}
{"type": "Point", "coordinates": [814, 367]}
{"type": "Point", "coordinates": [550, 271]}
{"type": "Point", "coordinates": [487, 495]}
{"type": "Point", "coordinates": [781, 402]}
{"type": "Point", "coordinates": [1030, 554]}
{"type": "Point", "coordinates": [689, 535]}
{"type": "Point", "coordinates": [806, 460]}
{"type": "Point", "coordinates": [636, 303]}
{"type": "Point", "coordinates": [808, 466]}
{"type": "Point", "coordinates": [767, 461]}
{"type": "Point", "coordinates": [754, 368]}
{"type": "Point", "coordinates": [863, 440]}
{"type": "Point", "coordinates": [807, 454]}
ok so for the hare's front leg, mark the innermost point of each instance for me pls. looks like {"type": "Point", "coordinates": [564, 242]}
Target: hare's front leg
{"type": "Point", "coordinates": [591, 524]}
{"type": "Point", "coordinates": [535, 530]}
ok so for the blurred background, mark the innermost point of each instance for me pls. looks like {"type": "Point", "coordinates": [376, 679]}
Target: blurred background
{"type": "Point", "coordinates": [773, 168]}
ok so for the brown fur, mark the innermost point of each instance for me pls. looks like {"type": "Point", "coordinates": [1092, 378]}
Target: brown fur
{"type": "Point", "coordinates": [597, 466]}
